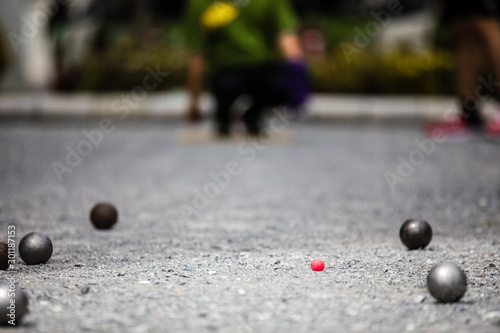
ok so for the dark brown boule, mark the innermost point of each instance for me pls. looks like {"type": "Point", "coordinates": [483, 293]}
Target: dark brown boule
{"type": "Point", "coordinates": [103, 215]}
{"type": "Point", "coordinates": [4, 255]}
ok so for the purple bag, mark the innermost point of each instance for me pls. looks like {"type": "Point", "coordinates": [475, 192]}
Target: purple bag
{"type": "Point", "coordinates": [295, 83]}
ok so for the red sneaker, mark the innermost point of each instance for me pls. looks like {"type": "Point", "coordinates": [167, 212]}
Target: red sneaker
{"type": "Point", "coordinates": [493, 127]}
{"type": "Point", "coordinates": [455, 129]}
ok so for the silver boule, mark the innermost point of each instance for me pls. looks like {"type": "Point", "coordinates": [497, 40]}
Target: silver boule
{"type": "Point", "coordinates": [447, 282]}
{"type": "Point", "coordinates": [13, 303]}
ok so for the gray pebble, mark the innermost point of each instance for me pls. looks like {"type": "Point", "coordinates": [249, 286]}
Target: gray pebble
{"type": "Point", "coordinates": [85, 289]}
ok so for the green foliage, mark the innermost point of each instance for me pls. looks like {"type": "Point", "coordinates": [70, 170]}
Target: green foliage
{"type": "Point", "coordinates": [123, 67]}
{"type": "Point", "coordinates": [398, 72]}
{"type": "Point", "coordinates": [340, 29]}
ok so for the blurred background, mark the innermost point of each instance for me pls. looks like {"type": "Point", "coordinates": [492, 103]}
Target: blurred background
{"type": "Point", "coordinates": [87, 45]}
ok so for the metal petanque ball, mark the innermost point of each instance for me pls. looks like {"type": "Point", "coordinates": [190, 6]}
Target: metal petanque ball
{"type": "Point", "coordinates": [103, 215]}
{"type": "Point", "coordinates": [10, 310]}
{"type": "Point", "coordinates": [4, 255]}
{"type": "Point", "coordinates": [35, 248]}
{"type": "Point", "coordinates": [447, 282]}
{"type": "Point", "coordinates": [415, 234]}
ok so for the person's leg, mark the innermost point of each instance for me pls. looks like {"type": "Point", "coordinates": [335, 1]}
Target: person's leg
{"type": "Point", "coordinates": [469, 60]}
{"type": "Point", "coordinates": [227, 86]}
{"type": "Point", "coordinates": [487, 28]}
{"type": "Point", "coordinates": [265, 94]}
{"type": "Point", "coordinates": [489, 31]}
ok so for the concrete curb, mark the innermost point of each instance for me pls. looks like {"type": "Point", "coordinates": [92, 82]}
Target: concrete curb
{"type": "Point", "coordinates": [172, 104]}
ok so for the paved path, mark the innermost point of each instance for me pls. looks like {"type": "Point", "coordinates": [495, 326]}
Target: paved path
{"type": "Point", "coordinates": [172, 105]}
{"type": "Point", "coordinates": [236, 257]}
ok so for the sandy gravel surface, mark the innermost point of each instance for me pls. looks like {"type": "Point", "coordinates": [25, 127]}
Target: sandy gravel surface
{"type": "Point", "coordinates": [240, 261]}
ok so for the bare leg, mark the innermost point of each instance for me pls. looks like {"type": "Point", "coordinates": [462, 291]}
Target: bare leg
{"type": "Point", "coordinates": [469, 55]}
{"type": "Point", "coordinates": [488, 30]}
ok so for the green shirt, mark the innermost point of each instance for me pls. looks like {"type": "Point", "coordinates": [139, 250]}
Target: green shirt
{"type": "Point", "coordinates": [249, 38]}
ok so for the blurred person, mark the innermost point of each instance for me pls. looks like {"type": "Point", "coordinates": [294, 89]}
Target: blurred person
{"type": "Point", "coordinates": [239, 40]}
{"type": "Point", "coordinates": [58, 25]}
{"type": "Point", "coordinates": [70, 28]}
{"type": "Point", "coordinates": [313, 41]}
{"type": "Point", "coordinates": [477, 37]}
{"type": "Point", "coordinates": [5, 56]}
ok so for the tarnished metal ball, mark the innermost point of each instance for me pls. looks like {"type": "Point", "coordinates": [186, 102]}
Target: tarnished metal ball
{"type": "Point", "coordinates": [13, 303]}
{"type": "Point", "coordinates": [35, 248]}
{"type": "Point", "coordinates": [103, 215]}
{"type": "Point", "coordinates": [447, 282]}
{"type": "Point", "coordinates": [4, 255]}
{"type": "Point", "coordinates": [415, 234]}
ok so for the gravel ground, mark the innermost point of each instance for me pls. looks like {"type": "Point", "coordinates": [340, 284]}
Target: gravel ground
{"type": "Point", "coordinates": [241, 262]}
